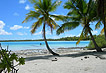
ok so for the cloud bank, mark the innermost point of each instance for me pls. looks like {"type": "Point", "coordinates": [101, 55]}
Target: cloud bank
{"type": "Point", "coordinates": [2, 31]}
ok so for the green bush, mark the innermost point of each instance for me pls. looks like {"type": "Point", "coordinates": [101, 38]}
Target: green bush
{"type": "Point", "coordinates": [7, 61]}
{"type": "Point", "coordinates": [100, 40]}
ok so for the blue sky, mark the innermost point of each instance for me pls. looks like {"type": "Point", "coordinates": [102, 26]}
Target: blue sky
{"type": "Point", "coordinates": [12, 13]}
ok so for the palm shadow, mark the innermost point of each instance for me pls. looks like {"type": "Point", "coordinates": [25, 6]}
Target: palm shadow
{"type": "Point", "coordinates": [74, 55]}
{"type": "Point", "coordinates": [79, 54]}
{"type": "Point", "coordinates": [39, 57]}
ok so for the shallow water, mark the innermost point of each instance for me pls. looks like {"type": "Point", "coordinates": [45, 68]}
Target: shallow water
{"type": "Point", "coordinates": [36, 44]}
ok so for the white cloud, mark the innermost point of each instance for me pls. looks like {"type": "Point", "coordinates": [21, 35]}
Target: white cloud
{"type": "Point", "coordinates": [27, 7]}
{"type": "Point", "coordinates": [55, 37]}
{"type": "Point", "coordinates": [16, 14]}
{"type": "Point", "coordinates": [94, 32]}
{"type": "Point", "coordinates": [2, 24]}
{"type": "Point", "coordinates": [38, 33]}
{"type": "Point", "coordinates": [2, 31]}
{"type": "Point", "coordinates": [20, 33]}
{"type": "Point", "coordinates": [26, 27]}
{"type": "Point", "coordinates": [16, 27]}
{"type": "Point", "coordinates": [69, 35]}
{"type": "Point", "coordinates": [22, 1]}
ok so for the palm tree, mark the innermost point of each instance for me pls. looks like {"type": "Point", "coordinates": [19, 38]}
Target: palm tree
{"type": "Point", "coordinates": [101, 11]}
{"type": "Point", "coordinates": [42, 14]}
{"type": "Point", "coordinates": [81, 12]}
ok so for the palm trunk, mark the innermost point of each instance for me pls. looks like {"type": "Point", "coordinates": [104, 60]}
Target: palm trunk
{"type": "Point", "coordinates": [98, 49]}
{"type": "Point", "coordinates": [104, 16]}
{"type": "Point", "coordinates": [104, 27]}
{"type": "Point", "coordinates": [47, 43]}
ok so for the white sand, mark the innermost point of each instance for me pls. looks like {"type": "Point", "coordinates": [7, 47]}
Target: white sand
{"type": "Point", "coordinates": [66, 63]}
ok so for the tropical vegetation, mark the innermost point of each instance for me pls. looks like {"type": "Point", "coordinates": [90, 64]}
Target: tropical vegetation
{"type": "Point", "coordinates": [101, 11]}
{"type": "Point", "coordinates": [81, 13]}
{"type": "Point", "coordinates": [43, 16]}
{"type": "Point", "coordinates": [7, 59]}
{"type": "Point", "coordinates": [100, 40]}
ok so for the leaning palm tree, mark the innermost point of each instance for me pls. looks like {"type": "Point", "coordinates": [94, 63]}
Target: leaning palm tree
{"type": "Point", "coordinates": [42, 14]}
{"type": "Point", "coordinates": [81, 12]}
{"type": "Point", "coordinates": [101, 11]}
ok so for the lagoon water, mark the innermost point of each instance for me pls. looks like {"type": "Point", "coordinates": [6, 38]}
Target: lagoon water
{"type": "Point", "coordinates": [36, 44]}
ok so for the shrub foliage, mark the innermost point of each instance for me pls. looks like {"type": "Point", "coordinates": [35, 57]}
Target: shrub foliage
{"type": "Point", "coordinates": [7, 61]}
{"type": "Point", "coordinates": [100, 40]}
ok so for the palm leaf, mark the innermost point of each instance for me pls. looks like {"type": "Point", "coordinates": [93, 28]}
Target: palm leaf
{"type": "Point", "coordinates": [54, 6]}
{"type": "Point", "coordinates": [71, 5]}
{"type": "Point", "coordinates": [89, 6]}
{"type": "Point", "coordinates": [84, 33]}
{"type": "Point", "coordinates": [81, 36]}
{"type": "Point", "coordinates": [97, 26]}
{"type": "Point", "coordinates": [37, 24]}
{"type": "Point", "coordinates": [55, 25]}
{"type": "Point", "coordinates": [31, 15]}
{"type": "Point", "coordinates": [102, 31]}
{"type": "Point", "coordinates": [39, 7]}
{"type": "Point", "coordinates": [32, 1]}
{"type": "Point", "coordinates": [50, 24]}
{"type": "Point", "coordinates": [60, 17]}
{"type": "Point", "coordinates": [67, 26]}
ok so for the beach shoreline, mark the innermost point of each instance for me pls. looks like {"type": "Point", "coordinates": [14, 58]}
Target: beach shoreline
{"type": "Point", "coordinates": [33, 52]}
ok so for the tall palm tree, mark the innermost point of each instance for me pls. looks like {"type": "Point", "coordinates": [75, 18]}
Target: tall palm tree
{"type": "Point", "coordinates": [42, 14]}
{"type": "Point", "coordinates": [81, 12]}
{"type": "Point", "coordinates": [101, 11]}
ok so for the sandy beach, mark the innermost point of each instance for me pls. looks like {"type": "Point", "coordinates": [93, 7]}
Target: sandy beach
{"type": "Point", "coordinates": [70, 62]}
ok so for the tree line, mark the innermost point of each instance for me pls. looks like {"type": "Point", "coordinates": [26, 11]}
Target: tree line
{"type": "Point", "coordinates": [74, 38]}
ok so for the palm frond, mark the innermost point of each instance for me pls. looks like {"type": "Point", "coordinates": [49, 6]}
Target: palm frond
{"type": "Point", "coordinates": [72, 5]}
{"type": "Point", "coordinates": [81, 5]}
{"type": "Point", "coordinates": [54, 6]}
{"type": "Point", "coordinates": [67, 26]}
{"type": "Point", "coordinates": [31, 15]}
{"type": "Point", "coordinates": [39, 8]}
{"type": "Point", "coordinates": [37, 24]}
{"type": "Point", "coordinates": [92, 13]}
{"type": "Point", "coordinates": [102, 31]}
{"type": "Point", "coordinates": [89, 6]}
{"type": "Point", "coordinates": [60, 17]}
{"type": "Point", "coordinates": [84, 33]}
{"type": "Point", "coordinates": [55, 25]}
{"type": "Point", "coordinates": [97, 26]}
{"type": "Point", "coordinates": [50, 24]}
{"type": "Point", "coordinates": [81, 36]}
{"type": "Point", "coordinates": [32, 1]}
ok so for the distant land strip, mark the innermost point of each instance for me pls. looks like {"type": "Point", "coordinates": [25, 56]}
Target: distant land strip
{"type": "Point", "coordinates": [60, 39]}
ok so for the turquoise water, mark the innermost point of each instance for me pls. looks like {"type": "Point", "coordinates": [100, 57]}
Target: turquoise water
{"type": "Point", "coordinates": [36, 44]}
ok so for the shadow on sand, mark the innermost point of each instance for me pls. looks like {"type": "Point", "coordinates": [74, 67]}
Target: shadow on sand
{"type": "Point", "coordinates": [74, 55]}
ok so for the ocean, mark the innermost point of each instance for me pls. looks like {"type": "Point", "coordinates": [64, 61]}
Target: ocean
{"type": "Point", "coordinates": [41, 45]}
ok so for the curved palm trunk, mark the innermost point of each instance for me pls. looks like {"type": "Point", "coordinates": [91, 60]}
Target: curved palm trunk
{"type": "Point", "coordinates": [104, 17]}
{"type": "Point", "coordinates": [98, 49]}
{"type": "Point", "coordinates": [47, 43]}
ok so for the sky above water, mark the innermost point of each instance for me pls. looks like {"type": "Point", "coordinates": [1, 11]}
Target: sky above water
{"type": "Point", "coordinates": [13, 12]}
